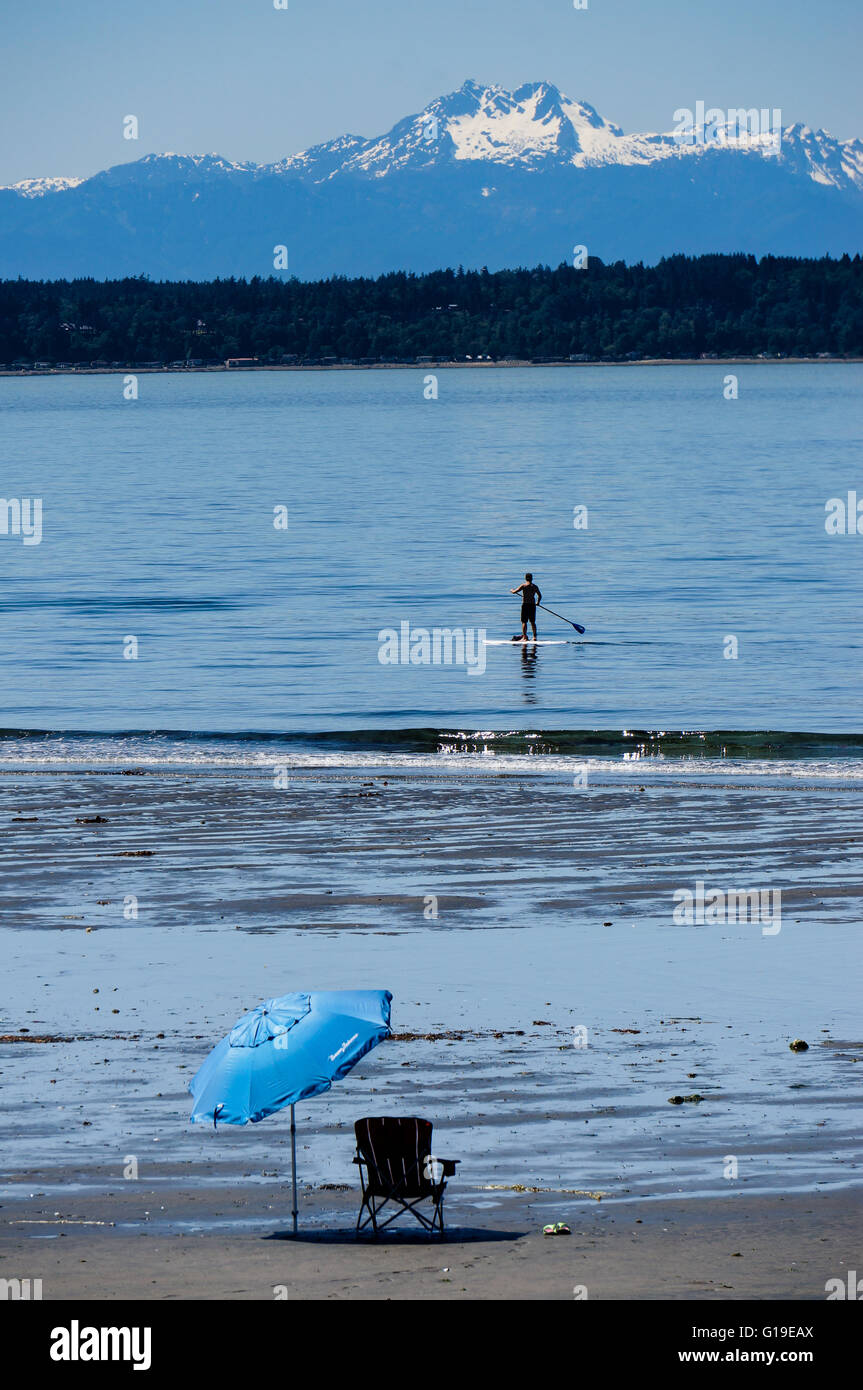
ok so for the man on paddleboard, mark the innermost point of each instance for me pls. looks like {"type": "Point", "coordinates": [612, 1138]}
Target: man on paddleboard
{"type": "Point", "coordinates": [530, 597]}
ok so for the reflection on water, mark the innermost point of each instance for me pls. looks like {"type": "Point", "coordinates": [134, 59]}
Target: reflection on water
{"type": "Point", "coordinates": [529, 667]}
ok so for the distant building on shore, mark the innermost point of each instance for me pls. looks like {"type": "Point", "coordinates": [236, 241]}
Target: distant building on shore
{"type": "Point", "coordinates": [241, 362]}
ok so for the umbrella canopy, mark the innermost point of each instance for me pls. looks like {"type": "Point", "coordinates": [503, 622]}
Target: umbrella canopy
{"type": "Point", "coordinates": [286, 1050]}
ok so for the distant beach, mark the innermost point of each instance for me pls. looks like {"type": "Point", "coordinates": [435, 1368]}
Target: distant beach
{"type": "Point", "coordinates": [437, 363]}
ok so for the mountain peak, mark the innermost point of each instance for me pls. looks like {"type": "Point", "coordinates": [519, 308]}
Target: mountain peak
{"type": "Point", "coordinates": [483, 175]}
{"type": "Point", "coordinates": [534, 127]}
{"type": "Point", "coordinates": [537, 126]}
{"type": "Point", "coordinates": [165, 168]}
{"type": "Point", "coordinates": [531, 126]}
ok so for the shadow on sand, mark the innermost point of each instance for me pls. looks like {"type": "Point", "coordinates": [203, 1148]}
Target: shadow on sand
{"type": "Point", "coordinates": [455, 1235]}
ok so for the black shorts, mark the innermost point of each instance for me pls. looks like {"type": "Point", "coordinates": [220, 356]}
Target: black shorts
{"type": "Point", "coordinates": [528, 613]}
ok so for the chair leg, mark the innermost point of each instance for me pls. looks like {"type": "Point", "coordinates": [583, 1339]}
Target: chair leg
{"type": "Point", "coordinates": [372, 1206]}
{"type": "Point", "coordinates": [438, 1217]}
{"type": "Point", "coordinates": [367, 1205]}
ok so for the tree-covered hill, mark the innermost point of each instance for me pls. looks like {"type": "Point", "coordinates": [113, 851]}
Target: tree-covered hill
{"type": "Point", "coordinates": [729, 306]}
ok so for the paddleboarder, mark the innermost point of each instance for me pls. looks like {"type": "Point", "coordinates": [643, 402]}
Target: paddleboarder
{"type": "Point", "coordinates": [530, 597]}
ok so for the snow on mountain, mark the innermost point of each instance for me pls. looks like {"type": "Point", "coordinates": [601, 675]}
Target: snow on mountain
{"type": "Point", "coordinates": [537, 126]}
{"type": "Point", "coordinates": [534, 127]}
{"type": "Point", "coordinates": [531, 127]}
{"type": "Point", "coordinates": [481, 176]}
{"type": "Point", "coordinates": [534, 123]}
{"type": "Point", "coordinates": [816, 154]}
{"type": "Point", "coordinates": [37, 188]}
{"type": "Point", "coordinates": [320, 160]}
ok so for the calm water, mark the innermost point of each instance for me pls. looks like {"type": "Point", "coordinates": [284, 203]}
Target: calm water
{"type": "Point", "coordinates": [706, 519]}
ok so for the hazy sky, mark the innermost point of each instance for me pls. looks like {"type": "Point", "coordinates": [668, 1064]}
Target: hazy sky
{"type": "Point", "coordinates": [245, 80]}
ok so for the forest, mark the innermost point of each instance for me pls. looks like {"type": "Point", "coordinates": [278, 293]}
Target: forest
{"type": "Point", "coordinates": [683, 307]}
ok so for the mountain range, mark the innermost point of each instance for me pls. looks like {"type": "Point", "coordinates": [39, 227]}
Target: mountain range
{"type": "Point", "coordinates": [480, 177]}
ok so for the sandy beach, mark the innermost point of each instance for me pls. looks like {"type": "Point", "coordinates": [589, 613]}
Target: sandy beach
{"type": "Point", "coordinates": [170, 1242]}
{"type": "Point", "coordinates": [547, 1010]}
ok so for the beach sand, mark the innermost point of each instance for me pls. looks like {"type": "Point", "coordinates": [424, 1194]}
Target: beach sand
{"type": "Point", "coordinates": [546, 1009]}
{"type": "Point", "coordinates": [732, 1248]}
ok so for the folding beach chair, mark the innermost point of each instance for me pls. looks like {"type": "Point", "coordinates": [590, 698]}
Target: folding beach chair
{"type": "Point", "coordinates": [396, 1166]}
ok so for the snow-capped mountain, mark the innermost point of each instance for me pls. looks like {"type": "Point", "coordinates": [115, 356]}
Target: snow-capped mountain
{"type": "Point", "coordinates": [816, 155]}
{"type": "Point", "coordinates": [480, 176]}
{"type": "Point", "coordinates": [538, 127]}
{"type": "Point", "coordinates": [37, 188]}
{"type": "Point", "coordinates": [532, 126]}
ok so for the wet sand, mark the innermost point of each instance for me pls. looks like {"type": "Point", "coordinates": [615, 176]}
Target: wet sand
{"type": "Point", "coordinates": [192, 1245]}
{"type": "Point", "coordinates": [547, 1008]}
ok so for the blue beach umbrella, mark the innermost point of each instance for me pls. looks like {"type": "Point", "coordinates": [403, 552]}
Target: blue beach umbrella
{"type": "Point", "coordinates": [286, 1050]}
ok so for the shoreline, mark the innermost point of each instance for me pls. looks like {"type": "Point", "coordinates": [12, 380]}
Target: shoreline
{"type": "Point", "coordinates": [549, 1006]}
{"type": "Point", "coordinates": [550, 1017]}
{"type": "Point", "coordinates": [237, 1245]}
{"type": "Point", "coordinates": [436, 363]}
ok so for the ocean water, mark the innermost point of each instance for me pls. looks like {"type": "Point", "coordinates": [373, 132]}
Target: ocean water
{"type": "Point", "coordinates": [706, 521]}
{"type": "Point", "coordinates": [296, 799]}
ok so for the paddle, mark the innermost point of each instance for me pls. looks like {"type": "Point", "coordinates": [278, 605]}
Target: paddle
{"type": "Point", "coordinates": [577, 626]}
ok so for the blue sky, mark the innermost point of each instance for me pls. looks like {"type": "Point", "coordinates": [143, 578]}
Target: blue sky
{"type": "Point", "coordinates": [245, 80]}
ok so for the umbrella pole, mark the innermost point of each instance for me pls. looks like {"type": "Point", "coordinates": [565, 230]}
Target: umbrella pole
{"type": "Point", "coordinates": [294, 1165]}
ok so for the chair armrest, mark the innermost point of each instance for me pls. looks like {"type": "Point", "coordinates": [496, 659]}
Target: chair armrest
{"type": "Point", "coordinates": [449, 1166]}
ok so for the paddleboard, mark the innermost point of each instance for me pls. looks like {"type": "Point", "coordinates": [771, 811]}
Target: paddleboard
{"type": "Point", "coordinates": [530, 642]}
